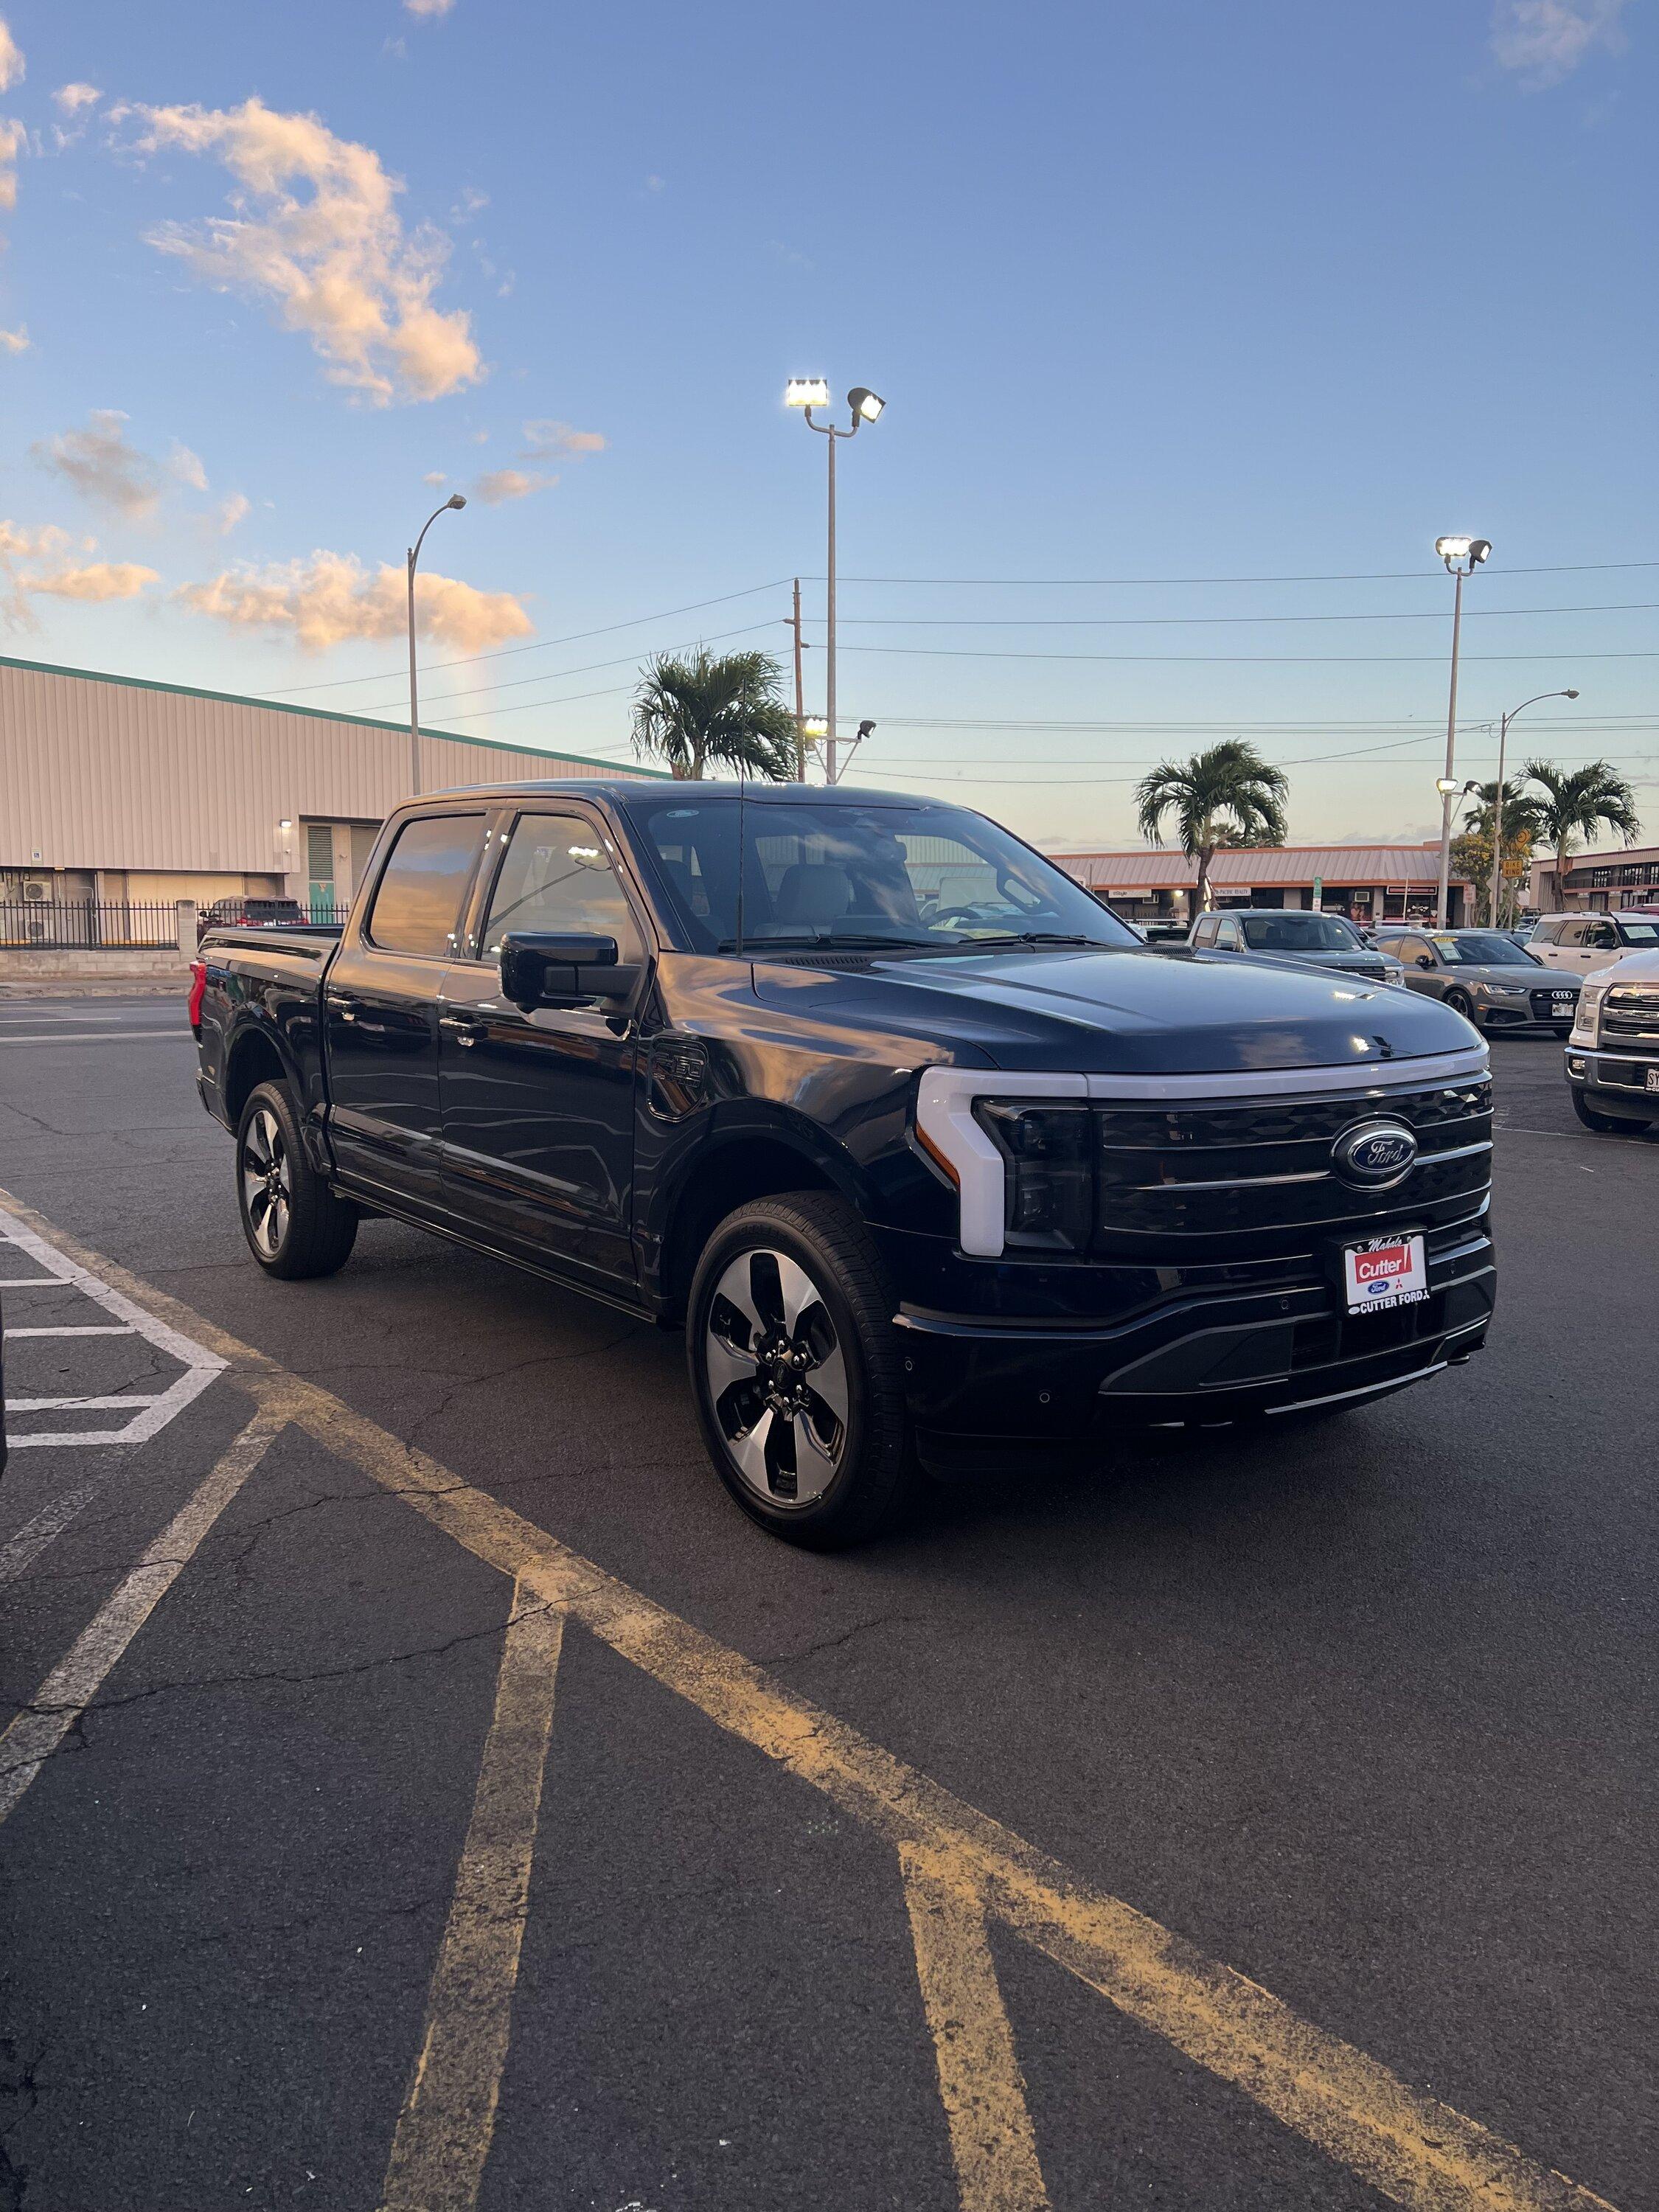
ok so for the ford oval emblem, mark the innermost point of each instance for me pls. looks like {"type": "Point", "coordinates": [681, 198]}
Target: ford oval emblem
{"type": "Point", "coordinates": [1375, 1154]}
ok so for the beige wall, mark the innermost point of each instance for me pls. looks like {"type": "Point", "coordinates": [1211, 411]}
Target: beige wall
{"type": "Point", "coordinates": [96, 772]}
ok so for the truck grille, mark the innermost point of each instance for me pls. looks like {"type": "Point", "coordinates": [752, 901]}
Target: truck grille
{"type": "Point", "coordinates": [1262, 1178]}
{"type": "Point", "coordinates": [1632, 1010]}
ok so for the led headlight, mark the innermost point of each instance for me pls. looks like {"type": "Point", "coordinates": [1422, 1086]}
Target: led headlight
{"type": "Point", "coordinates": [1049, 1172]}
{"type": "Point", "coordinates": [1587, 1021]}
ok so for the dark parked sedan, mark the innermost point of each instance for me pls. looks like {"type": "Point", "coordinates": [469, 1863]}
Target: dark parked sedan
{"type": "Point", "coordinates": [1485, 977]}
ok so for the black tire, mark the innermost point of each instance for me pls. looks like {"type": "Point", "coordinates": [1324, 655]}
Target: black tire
{"type": "Point", "coordinates": [846, 1443]}
{"type": "Point", "coordinates": [1460, 1003]}
{"type": "Point", "coordinates": [295, 1226]}
{"type": "Point", "coordinates": [1607, 1125]}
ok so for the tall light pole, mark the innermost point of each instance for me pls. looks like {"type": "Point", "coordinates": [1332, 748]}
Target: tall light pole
{"type": "Point", "coordinates": [1498, 807]}
{"type": "Point", "coordinates": [1463, 556]}
{"type": "Point", "coordinates": [808, 392]}
{"type": "Point", "coordinates": [456, 500]}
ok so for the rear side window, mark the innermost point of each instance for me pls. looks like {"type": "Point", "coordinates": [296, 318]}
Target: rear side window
{"type": "Point", "coordinates": [417, 902]}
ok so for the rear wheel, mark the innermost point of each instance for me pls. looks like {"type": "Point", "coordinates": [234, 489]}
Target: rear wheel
{"type": "Point", "coordinates": [797, 1377]}
{"type": "Point", "coordinates": [1607, 1125]}
{"type": "Point", "coordinates": [295, 1226]}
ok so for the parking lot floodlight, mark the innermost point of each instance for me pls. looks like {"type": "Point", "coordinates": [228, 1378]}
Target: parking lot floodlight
{"type": "Point", "coordinates": [1445, 784]}
{"type": "Point", "coordinates": [806, 392]}
{"type": "Point", "coordinates": [815, 726]}
{"type": "Point", "coordinates": [457, 499]}
{"type": "Point", "coordinates": [1471, 551]}
{"type": "Point", "coordinates": [866, 405]}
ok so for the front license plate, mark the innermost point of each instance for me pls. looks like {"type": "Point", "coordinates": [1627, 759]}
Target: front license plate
{"type": "Point", "coordinates": [1385, 1271]}
{"type": "Point", "coordinates": [1653, 1078]}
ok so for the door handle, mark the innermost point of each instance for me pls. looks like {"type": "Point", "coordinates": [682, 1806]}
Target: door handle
{"type": "Point", "coordinates": [464, 1032]}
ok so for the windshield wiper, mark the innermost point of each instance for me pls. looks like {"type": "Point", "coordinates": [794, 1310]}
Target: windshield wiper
{"type": "Point", "coordinates": [841, 941]}
{"type": "Point", "coordinates": [1030, 937]}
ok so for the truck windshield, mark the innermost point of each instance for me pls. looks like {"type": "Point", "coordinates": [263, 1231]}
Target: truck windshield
{"type": "Point", "coordinates": [1299, 932]}
{"type": "Point", "coordinates": [859, 874]}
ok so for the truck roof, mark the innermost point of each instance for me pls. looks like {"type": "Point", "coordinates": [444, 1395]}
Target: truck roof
{"type": "Point", "coordinates": [622, 788]}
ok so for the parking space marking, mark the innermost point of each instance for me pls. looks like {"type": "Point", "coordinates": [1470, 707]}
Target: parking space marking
{"type": "Point", "coordinates": [81, 1329]}
{"type": "Point", "coordinates": [149, 1413]}
{"type": "Point", "coordinates": [980, 2086]}
{"type": "Point", "coordinates": [19, 1553]}
{"type": "Point", "coordinates": [1413, 2148]}
{"type": "Point", "coordinates": [448, 2116]}
{"type": "Point", "coordinates": [89, 1036]}
{"type": "Point", "coordinates": [71, 1686]}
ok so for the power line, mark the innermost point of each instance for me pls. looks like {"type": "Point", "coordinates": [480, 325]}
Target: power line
{"type": "Point", "coordinates": [1150, 622]}
{"type": "Point", "coordinates": [1231, 659]}
{"type": "Point", "coordinates": [1350, 576]}
{"type": "Point", "coordinates": [558, 676]}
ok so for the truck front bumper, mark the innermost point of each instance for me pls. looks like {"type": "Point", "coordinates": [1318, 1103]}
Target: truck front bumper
{"type": "Point", "coordinates": [977, 1388]}
{"type": "Point", "coordinates": [1617, 1082]}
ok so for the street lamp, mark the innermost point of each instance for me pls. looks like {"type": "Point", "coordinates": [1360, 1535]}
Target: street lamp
{"type": "Point", "coordinates": [864, 406]}
{"type": "Point", "coordinates": [1463, 556]}
{"type": "Point", "coordinates": [457, 500]}
{"type": "Point", "coordinates": [1497, 810]}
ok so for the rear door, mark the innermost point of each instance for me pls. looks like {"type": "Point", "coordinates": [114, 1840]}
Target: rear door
{"type": "Point", "coordinates": [538, 1107]}
{"type": "Point", "coordinates": [380, 1009]}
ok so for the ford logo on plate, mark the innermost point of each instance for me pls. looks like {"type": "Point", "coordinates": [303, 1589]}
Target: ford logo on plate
{"type": "Point", "coordinates": [1375, 1154]}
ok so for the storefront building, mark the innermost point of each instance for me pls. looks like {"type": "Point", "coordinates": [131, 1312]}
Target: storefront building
{"type": "Point", "coordinates": [1598, 882]}
{"type": "Point", "coordinates": [1369, 884]}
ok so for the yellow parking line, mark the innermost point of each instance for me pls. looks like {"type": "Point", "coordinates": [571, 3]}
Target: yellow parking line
{"type": "Point", "coordinates": [1421, 2152]}
{"type": "Point", "coordinates": [979, 2085]}
{"type": "Point", "coordinates": [77, 1680]}
{"type": "Point", "coordinates": [449, 2115]}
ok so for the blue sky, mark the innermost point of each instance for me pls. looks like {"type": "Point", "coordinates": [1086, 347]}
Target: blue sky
{"type": "Point", "coordinates": [1154, 294]}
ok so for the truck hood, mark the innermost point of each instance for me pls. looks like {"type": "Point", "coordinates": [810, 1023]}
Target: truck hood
{"type": "Point", "coordinates": [1090, 1012]}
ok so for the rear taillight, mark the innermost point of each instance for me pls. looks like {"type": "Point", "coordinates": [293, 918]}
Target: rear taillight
{"type": "Point", "coordinates": [198, 985]}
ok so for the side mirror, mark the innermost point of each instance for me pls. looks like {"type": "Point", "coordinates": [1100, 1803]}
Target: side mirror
{"type": "Point", "coordinates": [541, 969]}
{"type": "Point", "coordinates": [1425, 960]}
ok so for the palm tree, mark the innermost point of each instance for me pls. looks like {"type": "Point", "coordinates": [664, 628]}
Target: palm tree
{"type": "Point", "coordinates": [1472, 848]}
{"type": "Point", "coordinates": [1228, 795]}
{"type": "Point", "coordinates": [1576, 802]}
{"type": "Point", "coordinates": [722, 710]}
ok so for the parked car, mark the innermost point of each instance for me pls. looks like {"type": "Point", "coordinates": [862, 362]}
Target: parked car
{"type": "Point", "coordinates": [1582, 943]}
{"type": "Point", "coordinates": [1483, 974]}
{"type": "Point", "coordinates": [1613, 1054]}
{"type": "Point", "coordinates": [255, 914]}
{"type": "Point", "coordinates": [1162, 932]}
{"type": "Point", "coordinates": [1324, 941]}
{"type": "Point", "coordinates": [918, 1192]}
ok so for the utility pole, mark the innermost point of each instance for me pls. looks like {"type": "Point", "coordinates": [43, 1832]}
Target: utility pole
{"type": "Point", "coordinates": [793, 621]}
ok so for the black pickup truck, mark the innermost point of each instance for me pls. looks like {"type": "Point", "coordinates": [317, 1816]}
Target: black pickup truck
{"type": "Point", "coordinates": [931, 1157]}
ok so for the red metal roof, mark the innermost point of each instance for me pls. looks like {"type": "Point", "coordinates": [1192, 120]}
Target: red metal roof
{"type": "Point", "coordinates": [1168, 868]}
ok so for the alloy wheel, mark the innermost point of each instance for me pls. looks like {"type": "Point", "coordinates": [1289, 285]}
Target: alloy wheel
{"type": "Point", "coordinates": [777, 1377]}
{"type": "Point", "coordinates": [266, 1195]}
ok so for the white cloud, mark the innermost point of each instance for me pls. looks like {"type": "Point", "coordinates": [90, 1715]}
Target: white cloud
{"type": "Point", "coordinates": [188, 467]}
{"type": "Point", "coordinates": [11, 58]}
{"type": "Point", "coordinates": [435, 477]}
{"type": "Point", "coordinates": [501, 484]}
{"type": "Point", "coordinates": [315, 231]}
{"type": "Point", "coordinates": [331, 597]}
{"type": "Point", "coordinates": [12, 140]}
{"type": "Point", "coordinates": [15, 341]}
{"type": "Point", "coordinates": [229, 512]}
{"type": "Point", "coordinates": [1545, 41]}
{"type": "Point", "coordinates": [103, 466]}
{"type": "Point", "coordinates": [548, 441]}
{"type": "Point", "coordinates": [40, 563]}
{"type": "Point", "coordinates": [430, 9]}
{"type": "Point", "coordinates": [98, 580]}
{"type": "Point", "coordinates": [72, 98]}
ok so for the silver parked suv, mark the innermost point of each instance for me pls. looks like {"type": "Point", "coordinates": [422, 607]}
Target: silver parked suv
{"type": "Point", "coordinates": [1485, 977]}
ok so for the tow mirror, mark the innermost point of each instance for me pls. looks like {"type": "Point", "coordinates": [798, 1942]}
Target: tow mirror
{"type": "Point", "coordinates": [540, 969]}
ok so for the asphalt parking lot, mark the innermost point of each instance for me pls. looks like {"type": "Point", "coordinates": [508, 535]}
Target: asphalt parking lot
{"type": "Point", "coordinates": [425, 1788]}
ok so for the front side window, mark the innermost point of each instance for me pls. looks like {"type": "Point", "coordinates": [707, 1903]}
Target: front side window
{"type": "Point", "coordinates": [1299, 932]}
{"type": "Point", "coordinates": [417, 901]}
{"type": "Point", "coordinates": [557, 878]}
{"type": "Point", "coordinates": [900, 873]}
{"type": "Point", "coordinates": [1601, 936]}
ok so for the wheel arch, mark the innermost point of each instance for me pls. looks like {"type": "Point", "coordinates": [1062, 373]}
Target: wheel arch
{"type": "Point", "coordinates": [734, 1165]}
{"type": "Point", "coordinates": [255, 1057]}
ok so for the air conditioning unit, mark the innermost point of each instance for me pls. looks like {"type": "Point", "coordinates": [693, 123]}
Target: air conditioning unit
{"type": "Point", "coordinates": [37, 891]}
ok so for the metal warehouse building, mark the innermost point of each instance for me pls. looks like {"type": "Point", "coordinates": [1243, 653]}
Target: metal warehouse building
{"type": "Point", "coordinates": [117, 792]}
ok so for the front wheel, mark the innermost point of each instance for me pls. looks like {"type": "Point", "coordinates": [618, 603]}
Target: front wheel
{"type": "Point", "coordinates": [1607, 1125]}
{"type": "Point", "coordinates": [1460, 1003]}
{"type": "Point", "coordinates": [797, 1377]}
{"type": "Point", "coordinates": [295, 1226]}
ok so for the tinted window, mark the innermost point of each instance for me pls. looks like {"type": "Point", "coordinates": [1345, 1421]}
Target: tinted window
{"type": "Point", "coordinates": [1299, 932]}
{"type": "Point", "coordinates": [1483, 948]}
{"type": "Point", "coordinates": [557, 877]}
{"type": "Point", "coordinates": [899, 873]}
{"type": "Point", "coordinates": [1601, 935]}
{"type": "Point", "coordinates": [418, 905]}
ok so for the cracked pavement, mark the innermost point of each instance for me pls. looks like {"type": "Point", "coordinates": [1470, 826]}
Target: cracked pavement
{"type": "Point", "coordinates": [1365, 1709]}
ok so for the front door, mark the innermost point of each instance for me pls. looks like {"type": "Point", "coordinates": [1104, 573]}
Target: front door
{"type": "Point", "coordinates": [380, 1011]}
{"type": "Point", "coordinates": [538, 1107]}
